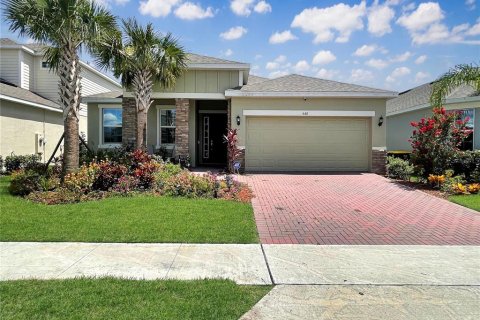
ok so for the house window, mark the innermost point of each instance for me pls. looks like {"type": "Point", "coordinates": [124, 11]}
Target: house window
{"type": "Point", "coordinates": [111, 125]}
{"type": "Point", "coordinates": [167, 118]}
{"type": "Point", "coordinates": [45, 65]}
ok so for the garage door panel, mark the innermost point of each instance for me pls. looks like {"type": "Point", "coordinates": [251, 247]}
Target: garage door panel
{"type": "Point", "coordinates": [307, 144]}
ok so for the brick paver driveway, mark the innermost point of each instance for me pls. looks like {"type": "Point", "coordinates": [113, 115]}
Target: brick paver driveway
{"type": "Point", "coordinates": [355, 209]}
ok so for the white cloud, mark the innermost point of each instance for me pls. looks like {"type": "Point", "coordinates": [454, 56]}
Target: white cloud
{"type": "Point", "coordinates": [108, 3]}
{"type": "Point", "coordinates": [262, 7]}
{"type": "Point", "coordinates": [156, 8]}
{"type": "Point", "coordinates": [421, 76]}
{"type": "Point", "coordinates": [398, 73]}
{"type": "Point", "coordinates": [474, 30]}
{"type": "Point", "coordinates": [425, 26]}
{"type": "Point", "coordinates": [241, 7]}
{"type": "Point", "coordinates": [340, 20]}
{"type": "Point", "coordinates": [365, 50]}
{"type": "Point", "coordinates": [324, 57]}
{"type": "Point", "coordinates": [278, 73]}
{"type": "Point", "coordinates": [421, 59]}
{"type": "Point", "coordinates": [426, 14]}
{"type": "Point", "coordinates": [281, 37]}
{"type": "Point", "coordinates": [192, 11]}
{"type": "Point", "coordinates": [377, 63]}
{"type": "Point", "coordinates": [301, 66]}
{"type": "Point", "coordinates": [379, 18]}
{"type": "Point", "coordinates": [277, 63]}
{"type": "Point", "coordinates": [234, 33]}
{"type": "Point", "coordinates": [361, 75]}
{"type": "Point", "coordinates": [258, 56]}
{"type": "Point", "coordinates": [470, 4]}
{"type": "Point", "coordinates": [227, 53]}
{"type": "Point", "coordinates": [326, 74]}
{"type": "Point", "coordinates": [402, 57]}
{"type": "Point", "coordinates": [245, 7]}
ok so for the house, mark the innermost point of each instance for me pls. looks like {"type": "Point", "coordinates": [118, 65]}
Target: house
{"type": "Point", "coordinates": [31, 119]}
{"type": "Point", "coordinates": [414, 104]}
{"type": "Point", "coordinates": [291, 123]}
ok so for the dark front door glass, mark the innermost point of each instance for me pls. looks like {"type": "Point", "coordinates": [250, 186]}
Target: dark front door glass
{"type": "Point", "coordinates": [212, 145]}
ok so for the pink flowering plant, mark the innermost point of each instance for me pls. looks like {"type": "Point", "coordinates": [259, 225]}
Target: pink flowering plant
{"type": "Point", "coordinates": [436, 140]}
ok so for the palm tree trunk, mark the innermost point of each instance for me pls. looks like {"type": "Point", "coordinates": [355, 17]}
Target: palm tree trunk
{"type": "Point", "coordinates": [142, 88]}
{"type": "Point", "coordinates": [69, 92]}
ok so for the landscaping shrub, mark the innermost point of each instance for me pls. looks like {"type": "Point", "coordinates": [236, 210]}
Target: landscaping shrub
{"type": "Point", "coordinates": [164, 172]}
{"type": "Point", "coordinates": [128, 174]}
{"type": "Point", "coordinates": [24, 182]}
{"type": "Point", "coordinates": [466, 163]}
{"type": "Point", "coordinates": [435, 141]}
{"type": "Point", "coordinates": [398, 168]}
{"type": "Point", "coordinates": [64, 196]}
{"type": "Point", "coordinates": [453, 184]}
{"type": "Point", "coordinates": [82, 180]}
{"type": "Point", "coordinates": [27, 162]}
{"type": "Point", "coordinates": [107, 175]}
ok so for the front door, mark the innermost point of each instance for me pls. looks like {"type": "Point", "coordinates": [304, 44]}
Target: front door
{"type": "Point", "coordinates": [213, 148]}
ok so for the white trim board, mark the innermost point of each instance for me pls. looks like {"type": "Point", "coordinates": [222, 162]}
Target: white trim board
{"type": "Point", "coordinates": [181, 95]}
{"type": "Point", "coordinates": [308, 113]}
{"type": "Point", "coordinates": [28, 103]}
{"type": "Point", "coordinates": [331, 94]}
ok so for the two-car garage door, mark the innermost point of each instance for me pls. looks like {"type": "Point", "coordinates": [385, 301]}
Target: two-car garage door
{"type": "Point", "coordinates": [307, 144]}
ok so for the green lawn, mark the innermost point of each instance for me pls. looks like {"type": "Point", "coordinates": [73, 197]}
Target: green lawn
{"type": "Point", "coordinates": [469, 201]}
{"type": "Point", "coordinates": [130, 219]}
{"type": "Point", "coordinates": [109, 298]}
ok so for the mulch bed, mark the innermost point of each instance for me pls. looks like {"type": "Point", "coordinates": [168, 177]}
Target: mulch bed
{"type": "Point", "coordinates": [424, 188]}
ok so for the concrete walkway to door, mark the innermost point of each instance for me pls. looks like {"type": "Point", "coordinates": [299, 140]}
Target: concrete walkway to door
{"type": "Point", "coordinates": [355, 209]}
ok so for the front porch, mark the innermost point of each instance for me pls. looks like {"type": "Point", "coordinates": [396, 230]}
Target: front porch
{"type": "Point", "coordinates": [180, 128]}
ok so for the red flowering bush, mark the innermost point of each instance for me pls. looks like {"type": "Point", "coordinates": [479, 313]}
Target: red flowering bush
{"type": "Point", "coordinates": [436, 139]}
{"type": "Point", "coordinates": [108, 174]}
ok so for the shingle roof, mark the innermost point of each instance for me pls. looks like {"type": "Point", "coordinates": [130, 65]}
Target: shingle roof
{"type": "Point", "coordinates": [420, 95]}
{"type": "Point", "coordinates": [11, 90]}
{"type": "Point", "coordinates": [255, 79]}
{"type": "Point", "coordinates": [7, 42]}
{"type": "Point", "coordinates": [298, 83]}
{"type": "Point", "coordinates": [108, 95]}
{"type": "Point", "coordinates": [196, 58]}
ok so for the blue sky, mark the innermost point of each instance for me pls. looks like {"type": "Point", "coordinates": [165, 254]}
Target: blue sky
{"type": "Point", "coordinates": [394, 44]}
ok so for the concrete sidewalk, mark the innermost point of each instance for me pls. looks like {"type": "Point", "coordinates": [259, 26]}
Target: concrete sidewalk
{"type": "Point", "coordinates": [245, 263]}
{"type": "Point", "coordinates": [312, 282]}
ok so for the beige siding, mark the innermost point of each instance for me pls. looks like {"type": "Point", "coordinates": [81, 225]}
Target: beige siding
{"type": "Point", "coordinates": [9, 65]}
{"type": "Point", "coordinates": [330, 104]}
{"type": "Point", "coordinates": [399, 129]}
{"type": "Point", "coordinates": [19, 124]}
{"type": "Point", "coordinates": [46, 81]}
{"type": "Point", "coordinates": [204, 81]}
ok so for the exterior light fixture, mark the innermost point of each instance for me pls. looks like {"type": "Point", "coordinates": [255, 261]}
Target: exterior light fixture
{"type": "Point", "coordinates": [380, 121]}
{"type": "Point", "coordinates": [238, 120]}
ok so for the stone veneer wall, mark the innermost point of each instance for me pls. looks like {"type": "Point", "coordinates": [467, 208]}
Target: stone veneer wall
{"type": "Point", "coordinates": [379, 162]}
{"type": "Point", "coordinates": [181, 131]}
{"type": "Point", "coordinates": [129, 122]}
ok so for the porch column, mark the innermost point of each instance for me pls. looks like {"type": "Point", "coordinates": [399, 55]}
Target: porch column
{"type": "Point", "coordinates": [129, 122]}
{"type": "Point", "coordinates": [181, 131]}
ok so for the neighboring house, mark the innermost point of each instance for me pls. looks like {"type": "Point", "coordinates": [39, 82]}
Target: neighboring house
{"type": "Point", "coordinates": [31, 119]}
{"type": "Point", "coordinates": [414, 104]}
{"type": "Point", "coordinates": [292, 123]}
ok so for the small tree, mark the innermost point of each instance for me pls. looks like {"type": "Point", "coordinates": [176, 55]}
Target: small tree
{"type": "Point", "coordinates": [436, 139]}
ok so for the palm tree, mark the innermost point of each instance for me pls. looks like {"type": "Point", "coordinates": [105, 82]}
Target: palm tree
{"type": "Point", "coordinates": [67, 27]}
{"type": "Point", "coordinates": [142, 57]}
{"type": "Point", "coordinates": [459, 75]}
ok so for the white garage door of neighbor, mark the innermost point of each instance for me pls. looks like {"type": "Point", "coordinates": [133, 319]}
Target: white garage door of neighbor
{"type": "Point", "coordinates": [307, 144]}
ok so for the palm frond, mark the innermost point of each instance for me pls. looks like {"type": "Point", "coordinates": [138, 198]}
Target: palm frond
{"type": "Point", "coordinates": [468, 74]}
